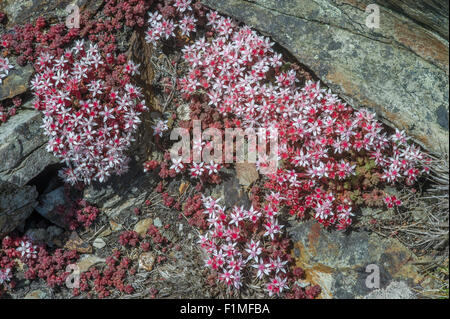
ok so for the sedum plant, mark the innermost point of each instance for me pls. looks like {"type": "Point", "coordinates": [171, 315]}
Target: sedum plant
{"type": "Point", "coordinates": [90, 110]}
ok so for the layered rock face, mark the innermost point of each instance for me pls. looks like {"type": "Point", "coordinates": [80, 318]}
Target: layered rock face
{"type": "Point", "coordinates": [16, 204]}
{"type": "Point", "coordinates": [23, 151]}
{"type": "Point", "coordinates": [398, 70]}
{"type": "Point", "coordinates": [23, 156]}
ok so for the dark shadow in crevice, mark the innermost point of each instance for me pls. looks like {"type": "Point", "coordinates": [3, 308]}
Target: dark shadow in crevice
{"type": "Point", "coordinates": [48, 179]}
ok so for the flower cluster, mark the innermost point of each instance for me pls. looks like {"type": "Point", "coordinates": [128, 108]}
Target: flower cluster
{"type": "Point", "coordinates": [161, 28]}
{"type": "Point", "coordinates": [20, 248]}
{"type": "Point", "coordinates": [237, 242]}
{"type": "Point", "coordinates": [5, 66]}
{"type": "Point", "coordinates": [320, 137]}
{"type": "Point", "coordinates": [198, 169]}
{"type": "Point", "coordinates": [91, 110]}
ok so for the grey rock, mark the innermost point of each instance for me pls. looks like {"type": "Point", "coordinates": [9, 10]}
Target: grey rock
{"type": "Point", "coordinates": [400, 70]}
{"type": "Point", "coordinates": [99, 243]}
{"type": "Point", "coordinates": [22, 148]}
{"type": "Point", "coordinates": [16, 204]}
{"type": "Point", "coordinates": [44, 236]}
{"type": "Point", "coordinates": [340, 263]}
